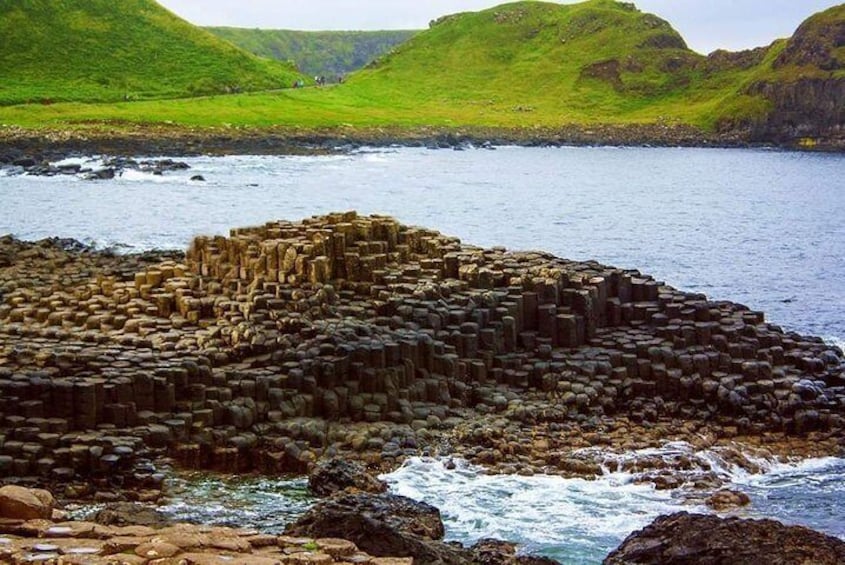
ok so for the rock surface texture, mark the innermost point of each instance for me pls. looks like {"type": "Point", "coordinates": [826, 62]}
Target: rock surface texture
{"type": "Point", "coordinates": [41, 540]}
{"type": "Point", "coordinates": [391, 525]}
{"type": "Point", "coordinates": [360, 337]}
{"type": "Point", "coordinates": [690, 539]}
{"type": "Point", "coordinates": [337, 475]}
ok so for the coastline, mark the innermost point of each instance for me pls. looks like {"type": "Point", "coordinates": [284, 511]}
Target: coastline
{"type": "Point", "coordinates": [126, 139]}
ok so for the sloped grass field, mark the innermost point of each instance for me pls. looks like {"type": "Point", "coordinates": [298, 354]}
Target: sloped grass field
{"type": "Point", "coordinates": [101, 50]}
{"type": "Point", "coordinates": [520, 65]}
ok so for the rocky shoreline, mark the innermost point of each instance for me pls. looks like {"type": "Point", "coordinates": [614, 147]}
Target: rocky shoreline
{"type": "Point", "coordinates": [364, 339]}
{"type": "Point", "coordinates": [127, 140]}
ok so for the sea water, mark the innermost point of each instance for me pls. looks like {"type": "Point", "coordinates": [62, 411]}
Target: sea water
{"type": "Point", "coordinates": [571, 520]}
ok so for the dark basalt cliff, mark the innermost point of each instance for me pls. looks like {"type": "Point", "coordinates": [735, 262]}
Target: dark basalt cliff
{"type": "Point", "coordinates": [808, 94]}
{"type": "Point", "coordinates": [812, 108]}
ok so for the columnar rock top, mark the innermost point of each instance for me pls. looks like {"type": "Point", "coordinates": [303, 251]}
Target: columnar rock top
{"type": "Point", "coordinates": [247, 350]}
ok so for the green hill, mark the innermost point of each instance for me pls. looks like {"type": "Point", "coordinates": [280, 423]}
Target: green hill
{"type": "Point", "coordinates": [327, 53]}
{"type": "Point", "coordinates": [53, 50]}
{"type": "Point", "coordinates": [583, 61]}
{"type": "Point", "coordinates": [600, 61]}
{"type": "Point", "coordinates": [544, 67]}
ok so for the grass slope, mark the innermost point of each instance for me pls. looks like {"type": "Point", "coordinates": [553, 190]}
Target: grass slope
{"type": "Point", "coordinates": [102, 50]}
{"type": "Point", "coordinates": [327, 53]}
{"type": "Point", "coordinates": [519, 65]}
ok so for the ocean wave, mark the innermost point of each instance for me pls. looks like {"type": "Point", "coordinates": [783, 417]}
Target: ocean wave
{"type": "Point", "coordinates": [583, 520]}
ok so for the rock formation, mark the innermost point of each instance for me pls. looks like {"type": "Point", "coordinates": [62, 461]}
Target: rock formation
{"type": "Point", "coordinates": [689, 539]}
{"type": "Point", "coordinates": [284, 343]}
{"type": "Point", "coordinates": [26, 539]}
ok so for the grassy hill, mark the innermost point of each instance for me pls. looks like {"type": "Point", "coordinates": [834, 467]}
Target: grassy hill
{"type": "Point", "coordinates": [596, 61]}
{"type": "Point", "coordinates": [327, 53]}
{"type": "Point", "coordinates": [535, 65]}
{"type": "Point", "coordinates": [101, 50]}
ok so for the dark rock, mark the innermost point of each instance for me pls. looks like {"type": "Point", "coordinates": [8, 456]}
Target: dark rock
{"type": "Point", "coordinates": [107, 173]}
{"type": "Point", "coordinates": [382, 525]}
{"type": "Point", "coordinates": [198, 178]}
{"type": "Point", "coordinates": [25, 162]}
{"type": "Point", "coordinates": [690, 539]}
{"type": "Point", "coordinates": [337, 475]}
{"type": "Point", "coordinates": [727, 500]}
{"type": "Point", "coordinates": [495, 552]}
{"type": "Point", "coordinates": [71, 169]}
{"type": "Point", "coordinates": [129, 514]}
{"type": "Point", "coordinates": [162, 166]}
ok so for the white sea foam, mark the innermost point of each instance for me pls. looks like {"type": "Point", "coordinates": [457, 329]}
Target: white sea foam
{"type": "Point", "coordinates": [567, 518]}
{"type": "Point", "coordinates": [132, 175]}
{"type": "Point", "coordinates": [81, 161]}
{"type": "Point", "coordinates": [836, 341]}
{"type": "Point", "coordinates": [582, 520]}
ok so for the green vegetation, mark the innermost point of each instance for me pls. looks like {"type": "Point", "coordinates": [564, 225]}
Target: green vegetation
{"type": "Point", "coordinates": [519, 65]}
{"type": "Point", "coordinates": [325, 53]}
{"type": "Point", "coordinates": [101, 50]}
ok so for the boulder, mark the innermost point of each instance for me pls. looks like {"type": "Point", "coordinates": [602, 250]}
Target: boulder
{"type": "Point", "coordinates": [107, 173]}
{"type": "Point", "coordinates": [130, 514]}
{"type": "Point", "coordinates": [726, 499]}
{"type": "Point", "coordinates": [382, 525]}
{"type": "Point", "coordinates": [690, 539]}
{"type": "Point", "coordinates": [19, 503]}
{"type": "Point", "coordinates": [338, 475]}
{"type": "Point", "coordinates": [25, 162]}
{"type": "Point", "coordinates": [495, 552]}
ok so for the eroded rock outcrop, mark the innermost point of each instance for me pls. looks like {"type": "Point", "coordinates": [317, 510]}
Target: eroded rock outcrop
{"type": "Point", "coordinates": [336, 475]}
{"type": "Point", "coordinates": [691, 539]}
{"type": "Point", "coordinates": [807, 95]}
{"type": "Point", "coordinates": [42, 540]}
{"type": "Point", "coordinates": [384, 524]}
{"type": "Point", "coordinates": [387, 524]}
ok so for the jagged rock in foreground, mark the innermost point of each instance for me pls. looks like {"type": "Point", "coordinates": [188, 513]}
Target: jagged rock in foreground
{"type": "Point", "coordinates": [384, 524]}
{"type": "Point", "coordinates": [86, 543]}
{"type": "Point", "coordinates": [360, 337]}
{"type": "Point", "coordinates": [337, 475]}
{"type": "Point", "coordinates": [387, 524]}
{"type": "Point", "coordinates": [691, 539]}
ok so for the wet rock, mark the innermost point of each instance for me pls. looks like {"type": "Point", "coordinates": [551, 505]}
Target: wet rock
{"type": "Point", "coordinates": [106, 173]}
{"type": "Point", "coordinates": [25, 162]}
{"type": "Point", "coordinates": [381, 525]}
{"type": "Point", "coordinates": [495, 552]}
{"type": "Point", "coordinates": [691, 539]}
{"type": "Point", "coordinates": [129, 514]}
{"type": "Point", "coordinates": [162, 165]}
{"type": "Point", "coordinates": [728, 500]}
{"type": "Point", "coordinates": [339, 475]}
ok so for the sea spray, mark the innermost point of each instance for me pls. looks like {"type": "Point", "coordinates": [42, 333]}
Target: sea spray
{"type": "Point", "coordinates": [572, 520]}
{"type": "Point", "coordinates": [579, 520]}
